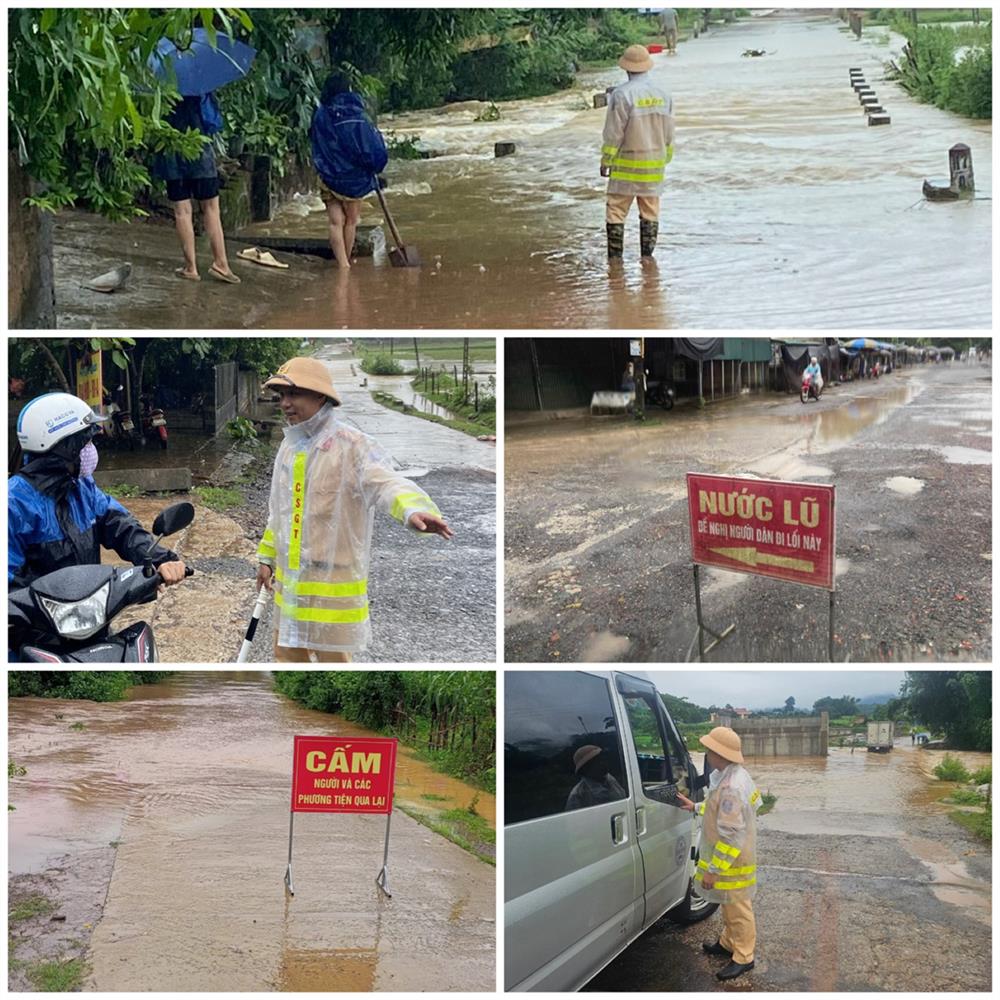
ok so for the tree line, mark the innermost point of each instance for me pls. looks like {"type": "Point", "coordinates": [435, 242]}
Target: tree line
{"type": "Point", "coordinates": [90, 685]}
{"type": "Point", "coordinates": [449, 715]}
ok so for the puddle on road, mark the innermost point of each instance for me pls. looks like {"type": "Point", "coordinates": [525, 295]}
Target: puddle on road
{"type": "Point", "coordinates": [952, 882]}
{"type": "Point", "coordinates": [964, 456]}
{"type": "Point", "coordinates": [837, 427]}
{"type": "Point", "coordinates": [341, 970]}
{"type": "Point", "coordinates": [906, 485]}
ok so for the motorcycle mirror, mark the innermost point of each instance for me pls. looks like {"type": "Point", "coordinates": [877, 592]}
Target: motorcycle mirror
{"type": "Point", "coordinates": [173, 519]}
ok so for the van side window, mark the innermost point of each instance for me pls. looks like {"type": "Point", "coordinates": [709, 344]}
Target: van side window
{"type": "Point", "coordinates": [660, 764]}
{"type": "Point", "coordinates": [562, 749]}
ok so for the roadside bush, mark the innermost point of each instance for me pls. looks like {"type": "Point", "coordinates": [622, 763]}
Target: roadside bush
{"type": "Point", "coordinates": [983, 776]}
{"type": "Point", "coordinates": [381, 364]}
{"type": "Point", "coordinates": [965, 797]}
{"type": "Point", "coordinates": [951, 769]}
{"type": "Point", "coordinates": [91, 685]}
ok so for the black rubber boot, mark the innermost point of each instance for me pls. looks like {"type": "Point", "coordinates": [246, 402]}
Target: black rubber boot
{"type": "Point", "coordinates": [648, 231]}
{"type": "Point", "coordinates": [733, 970]}
{"type": "Point", "coordinates": [715, 948]}
{"type": "Point", "coordinates": [616, 239]}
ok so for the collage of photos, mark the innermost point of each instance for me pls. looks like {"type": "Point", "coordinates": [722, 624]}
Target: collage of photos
{"type": "Point", "coordinates": [595, 404]}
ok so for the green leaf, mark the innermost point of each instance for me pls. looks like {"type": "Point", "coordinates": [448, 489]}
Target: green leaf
{"type": "Point", "coordinates": [49, 15]}
{"type": "Point", "coordinates": [119, 359]}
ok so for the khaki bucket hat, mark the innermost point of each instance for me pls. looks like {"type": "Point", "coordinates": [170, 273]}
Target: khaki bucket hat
{"type": "Point", "coordinates": [584, 755]}
{"type": "Point", "coordinates": [724, 742]}
{"type": "Point", "coordinates": [636, 59]}
{"type": "Point", "coordinates": [305, 373]}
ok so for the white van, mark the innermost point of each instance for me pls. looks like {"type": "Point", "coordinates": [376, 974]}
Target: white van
{"type": "Point", "coordinates": [593, 852]}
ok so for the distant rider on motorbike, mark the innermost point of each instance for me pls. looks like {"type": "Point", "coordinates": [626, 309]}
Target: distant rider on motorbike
{"type": "Point", "coordinates": [57, 516]}
{"type": "Point", "coordinates": [814, 371]}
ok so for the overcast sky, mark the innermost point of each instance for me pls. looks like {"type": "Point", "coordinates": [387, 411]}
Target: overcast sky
{"type": "Point", "coordinates": [768, 688]}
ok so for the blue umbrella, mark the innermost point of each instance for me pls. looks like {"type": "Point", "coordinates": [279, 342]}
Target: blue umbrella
{"type": "Point", "coordinates": [201, 68]}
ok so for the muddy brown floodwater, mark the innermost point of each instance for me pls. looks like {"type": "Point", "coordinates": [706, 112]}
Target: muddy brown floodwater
{"type": "Point", "coordinates": [162, 825]}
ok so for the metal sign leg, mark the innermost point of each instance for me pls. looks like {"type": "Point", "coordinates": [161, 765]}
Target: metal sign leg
{"type": "Point", "coordinates": [833, 605]}
{"type": "Point", "coordinates": [717, 637]}
{"type": "Point", "coordinates": [382, 879]}
{"type": "Point", "coordinates": [288, 870]}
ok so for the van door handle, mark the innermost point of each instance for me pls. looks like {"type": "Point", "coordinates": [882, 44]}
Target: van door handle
{"type": "Point", "coordinates": [640, 821]}
{"type": "Point", "coordinates": [618, 828]}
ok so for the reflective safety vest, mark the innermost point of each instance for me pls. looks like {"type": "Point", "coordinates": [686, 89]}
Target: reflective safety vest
{"type": "Point", "coordinates": [329, 479]}
{"type": "Point", "coordinates": [638, 137]}
{"type": "Point", "coordinates": [729, 837]}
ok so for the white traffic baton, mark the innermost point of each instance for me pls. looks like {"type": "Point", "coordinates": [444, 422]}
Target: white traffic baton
{"type": "Point", "coordinates": [258, 610]}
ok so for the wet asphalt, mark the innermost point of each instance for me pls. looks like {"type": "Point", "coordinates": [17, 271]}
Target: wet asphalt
{"type": "Point", "coordinates": [597, 556]}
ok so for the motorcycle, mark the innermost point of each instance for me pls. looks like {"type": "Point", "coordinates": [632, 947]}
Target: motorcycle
{"type": "Point", "coordinates": [154, 423]}
{"type": "Point", "coordinates": [660, 393]}
{"type": "Point", "coordinates": [809, 389]}
{"type": "Point", "coordinates": [65, 616]}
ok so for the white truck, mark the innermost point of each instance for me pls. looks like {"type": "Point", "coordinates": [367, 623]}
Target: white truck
{"type": "Point", "coordinates": [880, 736]}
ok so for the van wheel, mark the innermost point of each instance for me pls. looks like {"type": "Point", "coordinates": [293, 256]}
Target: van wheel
{"type": "Point", "coordinates": [694, 909]}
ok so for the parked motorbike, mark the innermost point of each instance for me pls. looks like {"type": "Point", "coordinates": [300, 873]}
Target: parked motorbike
{"type": "Point", "coordinates": [660, 393]}
{"type": "Point", "coordinates": [809, 390]}
{"type": "Point", "coordinates": [154, 423]}
{"type": "Point", "coordinates": [65, 616]}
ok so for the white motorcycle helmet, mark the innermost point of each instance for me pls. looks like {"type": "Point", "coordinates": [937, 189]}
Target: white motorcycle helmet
{"type": "Point", "coordinates": [51, 418]}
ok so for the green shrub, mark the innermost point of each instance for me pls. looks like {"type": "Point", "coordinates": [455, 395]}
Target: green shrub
{"type": "Point", "coordinates": [951, 769]}
{"type": "Point", "coordinates": [241, 429]}
{"type": "Point", "coordinates": [402, 147]}
{"type": "Point", "coordinates": [965, 797]}
{"type": "Point", "coordinates": [381, 364]}
{"type": "Point", "coordinates": [92, 685]}
{"type": "Point", "coordinates": [982, 776]}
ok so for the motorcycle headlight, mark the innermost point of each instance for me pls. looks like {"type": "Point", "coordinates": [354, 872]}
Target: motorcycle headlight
{"type": "Point", "coordinates": [79, 619]}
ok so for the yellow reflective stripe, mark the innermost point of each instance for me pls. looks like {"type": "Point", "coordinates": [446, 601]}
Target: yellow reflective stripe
{"type": "Point", "coordinates": [733, 852]}
{"type": "Point", "coordinates": [650, 102]}
{"type": "Point", "coordinates": [720, 863]}
{"type": "Point", "coordinates": [621, 161]}
{"type": "Point", "coordinates": [621, 175]}
{"type": "Point", "coordinates": [266, 548]}
{"type": "Point", "coordinates": [701, 808]}
{"type": "Point", "coordinates": [734, 885]}
{"type": "Point", "coordinates": [418, 502]}
{"type": "Point", "coordinates": [268, 536]}
{"type": "Point", "coordinates": [755, 798]}
{"type": "Point", "coordinates": [726, 866]}
{"type": "Point", "coordinates": [324, 615]}
{"type": "Point", "coordinates": [298, 503]}
{"type": "Point", "coordinates": [609, 150]}
{"type": "Point", "coordinates": [670, 153]}
{"type": "Point", "coordinates": [307, 588]}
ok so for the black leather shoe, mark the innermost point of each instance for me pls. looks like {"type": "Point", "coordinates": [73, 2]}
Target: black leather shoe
{"type": "Point", "coordinates": [715, 948]}
{"type": "Point", "coordinates": [733, 970]}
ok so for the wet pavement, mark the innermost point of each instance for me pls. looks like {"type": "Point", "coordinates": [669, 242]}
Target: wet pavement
{"type": "Point", "coordinates": [864, 884]}
{"type": "Point", "coordinates": [777, 185]}
{"type": "Point", "coordinates": [183, 791]}
{"type": "Point", "coordinates": [597, 557]}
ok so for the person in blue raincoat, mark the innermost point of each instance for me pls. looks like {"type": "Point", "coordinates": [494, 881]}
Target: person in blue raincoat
{"type": "Point", "coordinates": [348, 153]}
{"type": "Point", "coordinates": [57, 516]}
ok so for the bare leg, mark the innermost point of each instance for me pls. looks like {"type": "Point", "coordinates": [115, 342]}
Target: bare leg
{"type": "Point", "coordinates": [337, 219]}
{"type": "Point", "coordinates": [353, 211]}
{"type": "Point", "coordinates": [184, 221]}
{"type": "Point", "coordinates": [213, 228]}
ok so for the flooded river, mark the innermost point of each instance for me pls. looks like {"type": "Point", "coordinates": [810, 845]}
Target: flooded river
{"type": "Point", "coordinates": [184, 788]}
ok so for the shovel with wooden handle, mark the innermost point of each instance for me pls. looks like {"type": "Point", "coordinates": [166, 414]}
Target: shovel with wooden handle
{"type": "Point", "coordinates": [399, 255]}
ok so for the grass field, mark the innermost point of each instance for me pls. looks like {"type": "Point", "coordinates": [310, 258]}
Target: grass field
{"type": "Point", "coordinates": [431, 349]}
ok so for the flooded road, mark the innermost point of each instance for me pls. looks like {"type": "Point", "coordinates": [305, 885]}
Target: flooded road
{"type": "Point", "coordinates": [777, 185]}
{"type": "Point", "coordinates": [860, 868]}
{"type": "Point", "coordinates": [184, 789]}
{"type": "Point", "coordinates": [597, 547]}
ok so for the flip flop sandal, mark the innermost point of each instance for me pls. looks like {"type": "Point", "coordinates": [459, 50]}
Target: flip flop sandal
{"type": "Point", "coordinates": [229, 279]}
{"type": "Point", "coordinates": [262, 257]}
{"type": "Point", "coordinates": [181, 273]}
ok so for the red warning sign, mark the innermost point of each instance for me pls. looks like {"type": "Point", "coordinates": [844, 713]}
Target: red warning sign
{"type": "Point", "coordinates": [763, 526]}
{"type": "Point", "coordinates": [343, 775]}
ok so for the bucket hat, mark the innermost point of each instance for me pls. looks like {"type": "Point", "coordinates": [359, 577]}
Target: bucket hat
{"type": "Point", "coordinates": [636, 59]}
{"type": "Point", "coordinates": [724, 742]}
{"type": "Point", "coordinates": [305, 373]}
{"type": "Point", "coordinates": [584, 755]}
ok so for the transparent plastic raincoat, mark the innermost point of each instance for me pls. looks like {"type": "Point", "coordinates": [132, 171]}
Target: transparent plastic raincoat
{"type": "Point", "coordinates": [638, 137]}
{"type": "Point", "coordinates": [328, 481]}
{"type": "Point", "coordinates": [729, 837]}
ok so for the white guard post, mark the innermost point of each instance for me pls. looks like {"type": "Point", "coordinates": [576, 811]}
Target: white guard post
{"type": "Point", "coordinates": [288, 870]}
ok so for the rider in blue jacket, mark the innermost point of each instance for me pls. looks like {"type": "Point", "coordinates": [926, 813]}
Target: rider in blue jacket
{"type": "Point", "coordinates": [57, 515]}
{"type": "Point", "coordinates": [348, 153]}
